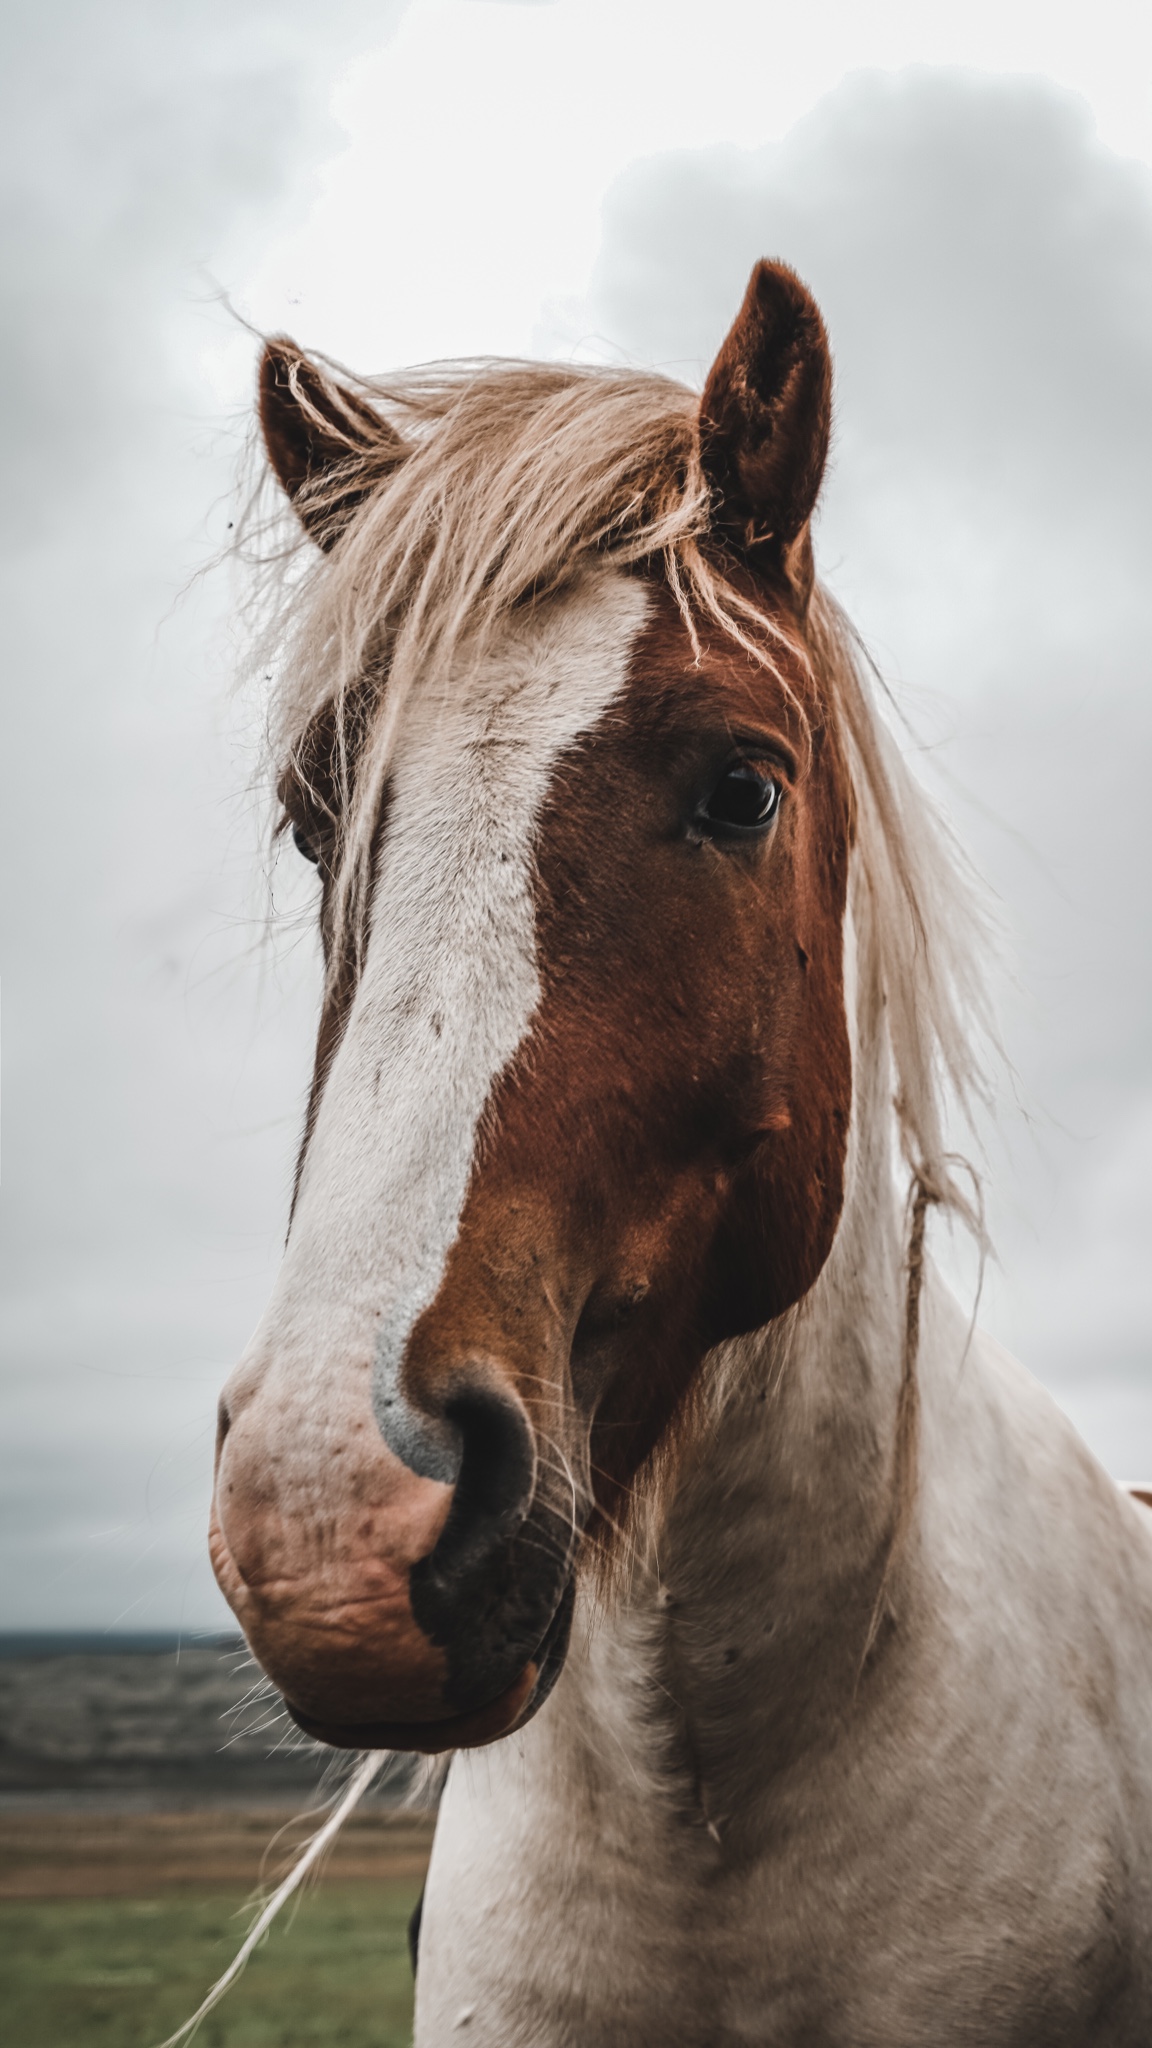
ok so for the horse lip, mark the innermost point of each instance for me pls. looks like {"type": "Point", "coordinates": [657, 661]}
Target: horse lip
{"type": "Point", "coordinates": [513, 1709]}
{"type": "Point", "coordinates": [461, 1731]}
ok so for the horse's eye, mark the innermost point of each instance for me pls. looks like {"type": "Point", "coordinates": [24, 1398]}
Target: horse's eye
{"type": "Point", "coordinates": [304, 846]}
{"type": "Point", "coordinates": [746, 799]}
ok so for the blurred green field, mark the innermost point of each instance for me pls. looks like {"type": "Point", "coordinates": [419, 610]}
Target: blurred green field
{"type": "Point", "coordinates": [123, 1973]}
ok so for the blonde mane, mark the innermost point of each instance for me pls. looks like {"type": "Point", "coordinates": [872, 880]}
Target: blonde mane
{"type": "Point", "coordinates": [494, 484]}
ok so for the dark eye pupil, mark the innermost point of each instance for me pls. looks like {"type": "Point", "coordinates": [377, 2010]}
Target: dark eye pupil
{"type": "Point", "coordinates": [745, 796]}
{"type": "Point", "coordinates": [304, 845]}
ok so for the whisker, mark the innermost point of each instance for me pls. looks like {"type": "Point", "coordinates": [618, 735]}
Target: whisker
{"type": "Point", "coordinates": [366, 1772]}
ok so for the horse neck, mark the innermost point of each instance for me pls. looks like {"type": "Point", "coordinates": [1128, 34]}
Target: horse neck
{"type": "Point", "coordinates": [768, 1557]}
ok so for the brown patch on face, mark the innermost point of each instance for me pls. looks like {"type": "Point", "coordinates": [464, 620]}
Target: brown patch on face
{"type": "Point", "coordinates": [662, 1166]}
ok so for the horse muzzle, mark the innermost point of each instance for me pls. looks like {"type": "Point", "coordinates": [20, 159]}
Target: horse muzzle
{"type": "Point", "coordinates": [394, 1609]}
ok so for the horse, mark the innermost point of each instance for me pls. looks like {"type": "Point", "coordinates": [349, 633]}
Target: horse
{"type": "Point", "coordinates": [610, 1429]}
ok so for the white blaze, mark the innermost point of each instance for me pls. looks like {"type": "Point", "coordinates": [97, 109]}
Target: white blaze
{"type": "Point", "coordinates": [450, 982]}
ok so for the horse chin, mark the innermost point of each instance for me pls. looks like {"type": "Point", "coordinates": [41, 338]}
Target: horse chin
{"type": "Point", "coordinates": [473, 1730]}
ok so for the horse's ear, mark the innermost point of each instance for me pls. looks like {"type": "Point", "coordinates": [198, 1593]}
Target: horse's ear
{"type": "Point", "coordinates": [326, 444]}
{"type": "Point", "coordinates": [765, 419]}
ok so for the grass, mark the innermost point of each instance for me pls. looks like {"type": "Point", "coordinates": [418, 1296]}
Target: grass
{"type": "Point", "coordinates": [124, 1973]}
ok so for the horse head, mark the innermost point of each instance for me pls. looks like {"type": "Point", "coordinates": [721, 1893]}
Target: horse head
{"type": "Point", "coordinates": [583, 1081]}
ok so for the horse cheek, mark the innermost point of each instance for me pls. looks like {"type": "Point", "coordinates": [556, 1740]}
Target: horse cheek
{"type": "Point", "coordinates": [782, 1215]}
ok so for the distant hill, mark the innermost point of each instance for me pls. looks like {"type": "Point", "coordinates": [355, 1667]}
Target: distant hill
{"type": "Point", "coordinates": [147, 1715]}
{"type": "Point", "coordinates": [103, 1642]}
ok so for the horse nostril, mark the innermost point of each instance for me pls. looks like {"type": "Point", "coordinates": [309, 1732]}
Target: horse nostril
{"type": "Point", "coordinates": [223, 1423]}
{"type": "Point", "coordinates": [497, 1476]}
{"type": "Point", "coordinates": [477, 1440]}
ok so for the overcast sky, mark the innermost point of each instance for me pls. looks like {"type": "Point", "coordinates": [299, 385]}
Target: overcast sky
{"type": "Point", "coordinates": [968, 191]}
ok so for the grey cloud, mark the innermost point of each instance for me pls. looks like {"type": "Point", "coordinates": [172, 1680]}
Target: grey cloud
{"type": "Point", "coordinates": [152, 1077]}
{"type": "Point", "coordinates": [983, 264]}
{"type": "Point", "coordinates": [139, 142]}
